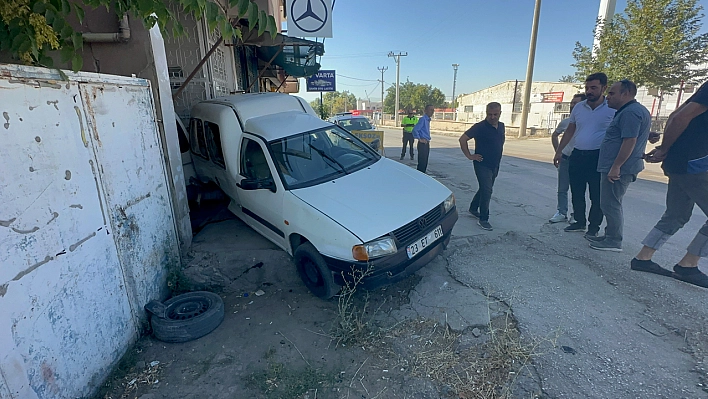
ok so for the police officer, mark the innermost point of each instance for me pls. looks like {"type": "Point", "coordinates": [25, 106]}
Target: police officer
{"type": "Point", "coordinates": [408, 123]}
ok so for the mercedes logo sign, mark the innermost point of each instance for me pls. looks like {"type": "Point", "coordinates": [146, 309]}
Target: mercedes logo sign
{"type": "Point", "coordinates": [309, 15]}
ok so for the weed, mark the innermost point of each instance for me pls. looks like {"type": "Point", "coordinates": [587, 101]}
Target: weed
{"type": "Point", "coordinates": [281, 381]}
{"type": "Point", "coordinates": [177, 282]}
{"type": "Point", "coordinates": [352, 324]}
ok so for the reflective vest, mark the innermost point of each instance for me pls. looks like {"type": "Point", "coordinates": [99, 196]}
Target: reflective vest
{"type": "Point", "coordinates": [408, 123]}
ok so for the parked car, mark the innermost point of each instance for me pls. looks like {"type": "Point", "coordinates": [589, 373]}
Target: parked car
{"type": "Point", "coordinates": [318, 192]}
{"type": "Point", "coordinates": [352, 122]}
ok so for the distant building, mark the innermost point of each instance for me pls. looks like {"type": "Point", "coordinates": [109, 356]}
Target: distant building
{"type": "Point", "coordinates": [550, 102]}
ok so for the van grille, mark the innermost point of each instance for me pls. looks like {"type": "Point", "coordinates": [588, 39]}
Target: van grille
{"type": "Point", "coordinates": [418, 227]}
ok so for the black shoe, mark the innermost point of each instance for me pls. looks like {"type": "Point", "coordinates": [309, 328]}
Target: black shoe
{"type": "Point", "coordinates": [411, 157]}
{"type": "Point", "coordinates": [484, 224]}
{"type": "Point", "coordinates": [475, 214]}
{"type": "Point", "coordinates": [605, 245]}
{"type": "Point", "coordinates": [690, 275]}
{"type": "Point", "coordinates": [649, 266]}
{"type": "Point", "coordinates": [594, 238]}
{"type": "Point", "coordinates": [579, 227]}
{"type": "Point", "coordinates": [592, 231]}
{"type": "Point", "coordinates": [402, 156]}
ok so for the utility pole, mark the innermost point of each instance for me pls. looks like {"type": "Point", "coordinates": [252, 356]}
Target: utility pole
{"type": "Point", "coordinates": [529, 70]}
{"type": "Point", "coordinates": [454, 83]}
{"type": "Point", "coordinates": [606, 12]}
{"type": "Point", "coordinates": [397, 57]}
{"type": "Point", "coordinates": [382, 69]}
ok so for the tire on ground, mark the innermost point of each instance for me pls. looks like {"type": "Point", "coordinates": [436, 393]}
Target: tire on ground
{"type": "Point", "coordinates": [189, 316]}
{"type": "Point", "coordinates": [314, 271]}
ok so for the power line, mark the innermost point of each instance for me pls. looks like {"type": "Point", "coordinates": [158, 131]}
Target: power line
{"type": "Point", "coordinates": [364, 85]}
{"type": "Point", "coordinates": [349, 77]}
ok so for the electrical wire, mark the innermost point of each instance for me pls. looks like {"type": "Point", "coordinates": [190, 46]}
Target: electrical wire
{"type": "Point", "coordinates": [363, 80]}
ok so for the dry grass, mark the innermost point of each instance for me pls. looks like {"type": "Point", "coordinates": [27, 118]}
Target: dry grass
{"type": "Point", "coordinates": [353, 324]}
{"type": "Point", "coordinates": [486, 368]}
{"type": "Point", "coordinates": [132, 381]}
{"type": "Point", "coordinates": [483, 368]}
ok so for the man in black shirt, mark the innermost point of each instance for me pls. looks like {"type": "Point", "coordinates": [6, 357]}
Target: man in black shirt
{"type": "Point", "coordinates": [488, 138]}
{"type": "Point", "coordinates": [684, 152]}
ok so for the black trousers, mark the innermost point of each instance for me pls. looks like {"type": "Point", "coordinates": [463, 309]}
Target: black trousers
{"type": "Point", "coordinates": [423, 153]}
{"type": "Point", "coordinates": [582, 171]}
{"type": "Point", "coordinates": [407, 141]}
{"type": "Point", "coordinates": [485, 178]}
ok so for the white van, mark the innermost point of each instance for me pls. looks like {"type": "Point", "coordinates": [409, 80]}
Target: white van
{"type": "Point", "coordinates": [318, 192]}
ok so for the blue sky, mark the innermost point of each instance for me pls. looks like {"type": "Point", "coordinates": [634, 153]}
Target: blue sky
{"type": "Point", "coordinates": [489, 39]}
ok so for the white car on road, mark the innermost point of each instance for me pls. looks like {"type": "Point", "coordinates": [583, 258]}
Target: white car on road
{"type": "Point", "coordinates": [318, 192]}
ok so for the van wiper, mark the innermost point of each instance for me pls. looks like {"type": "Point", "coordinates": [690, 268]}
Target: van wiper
{"type": "Point", "coordinates": [329, 157]}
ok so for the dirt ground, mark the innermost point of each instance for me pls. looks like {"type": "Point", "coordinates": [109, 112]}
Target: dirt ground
{"type": "Point", "coordinates": [279, 341]}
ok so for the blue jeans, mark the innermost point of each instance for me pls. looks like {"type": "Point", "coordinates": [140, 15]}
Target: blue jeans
{"type": "Point", "coordinates": [563, 186]}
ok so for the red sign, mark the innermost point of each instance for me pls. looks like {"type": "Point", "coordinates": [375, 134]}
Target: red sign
{"type": "Point", "coordinates": [552, 97]}
{"type": "Point", "coordinates": [356, 112]}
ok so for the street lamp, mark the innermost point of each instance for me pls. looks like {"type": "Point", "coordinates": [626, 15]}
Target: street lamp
{"type": "Point", "coordinates": [454, 82]}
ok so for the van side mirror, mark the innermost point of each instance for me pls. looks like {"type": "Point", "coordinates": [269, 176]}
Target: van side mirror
{"type": "Point", "coordinates": [257, 184]}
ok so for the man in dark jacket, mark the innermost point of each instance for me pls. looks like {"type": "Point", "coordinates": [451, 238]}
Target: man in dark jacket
{"type": "Point", "coordinates": [684, 153]}
{"type": "Point", "coordinates": [488, 138]}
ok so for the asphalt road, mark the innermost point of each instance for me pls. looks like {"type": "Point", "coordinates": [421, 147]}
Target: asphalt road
{"type": "Point", "coordinates": [603, 330]}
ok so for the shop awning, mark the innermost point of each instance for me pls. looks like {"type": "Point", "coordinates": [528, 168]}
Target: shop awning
{"type": "Point", "coordinates": [298, 57]}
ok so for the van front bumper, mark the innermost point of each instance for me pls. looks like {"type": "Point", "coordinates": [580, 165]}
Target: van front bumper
{"type": "Point", "coordinates": [392, 268]}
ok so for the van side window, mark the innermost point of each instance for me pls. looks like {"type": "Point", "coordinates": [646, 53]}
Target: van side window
{"type": "Point", "coordinates": [196, 138]}
{"type": "Point", "coordinates": [253, 161]}
{"type": "Point", "coordinates": [214, 142]}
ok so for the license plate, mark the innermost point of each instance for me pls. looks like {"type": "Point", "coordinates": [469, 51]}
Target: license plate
{"type": "Point", "coordinates": [423, 242]}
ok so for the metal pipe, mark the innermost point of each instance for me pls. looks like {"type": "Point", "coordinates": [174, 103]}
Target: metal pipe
{"type": "Point", "coordinates": [122, 36]}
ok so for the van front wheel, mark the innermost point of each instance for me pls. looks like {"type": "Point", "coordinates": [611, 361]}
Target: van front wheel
{"type": "Point", "coordinates": [314, 271]}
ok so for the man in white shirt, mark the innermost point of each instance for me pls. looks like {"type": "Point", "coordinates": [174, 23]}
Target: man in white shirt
{"type": "Point", "coordinates": [588, 123]}
{"type": "Point", "coordinates": [563, 178]}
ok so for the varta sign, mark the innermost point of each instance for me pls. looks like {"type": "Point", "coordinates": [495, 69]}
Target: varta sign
{"type": "Point", "coordinates": [322, 81]}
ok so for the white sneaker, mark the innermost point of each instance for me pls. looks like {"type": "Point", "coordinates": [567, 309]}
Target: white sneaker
{"type": "Point", "coordinates": [557, 218]}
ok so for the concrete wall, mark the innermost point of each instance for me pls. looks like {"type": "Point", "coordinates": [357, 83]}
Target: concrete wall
{"type": "Point", "coordinates": [541, 115]}
{"type": "Point", "coordinates": [142, 56]}
{"type": "Point", "coordinates": [87, 231]}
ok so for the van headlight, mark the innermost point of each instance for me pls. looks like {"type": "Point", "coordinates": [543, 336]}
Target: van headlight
{"type": "Point", "coordinates": [374, 249]}
{"type": "Point", "coordinates": [449, 203]}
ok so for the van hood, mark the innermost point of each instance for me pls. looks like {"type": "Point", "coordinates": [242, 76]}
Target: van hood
{"type": "Point", "coordinates": [376, 200]}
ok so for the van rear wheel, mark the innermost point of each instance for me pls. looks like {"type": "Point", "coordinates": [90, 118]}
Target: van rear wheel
{"type": "Point", "coordinates": [314, 271]}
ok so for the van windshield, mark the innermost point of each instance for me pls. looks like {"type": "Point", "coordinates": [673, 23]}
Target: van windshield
{"type": "Point", "coordinates": [308, 159]}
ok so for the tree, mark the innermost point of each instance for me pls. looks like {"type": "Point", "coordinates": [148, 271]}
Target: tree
{"type": "Point", "coordinates": [568, 79]}
{"type": "Point", "coordinates": [29, 29]}
{"type": "Point", "coordinates": [414, 96]}
{"type": "Point", "coordinates": [334, 102]}
{"type": "Point", "coordinates": [655, 43]}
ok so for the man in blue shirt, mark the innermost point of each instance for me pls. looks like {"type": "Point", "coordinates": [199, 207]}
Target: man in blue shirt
{"type": "Point", "coordinates": [421, 132]}
{"type": "Point", "coordinates": [489, 136]}
{"type": "Point", "coordinates": [621, 159]}
{"type": "Point", "coordinates": [684, 152]}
